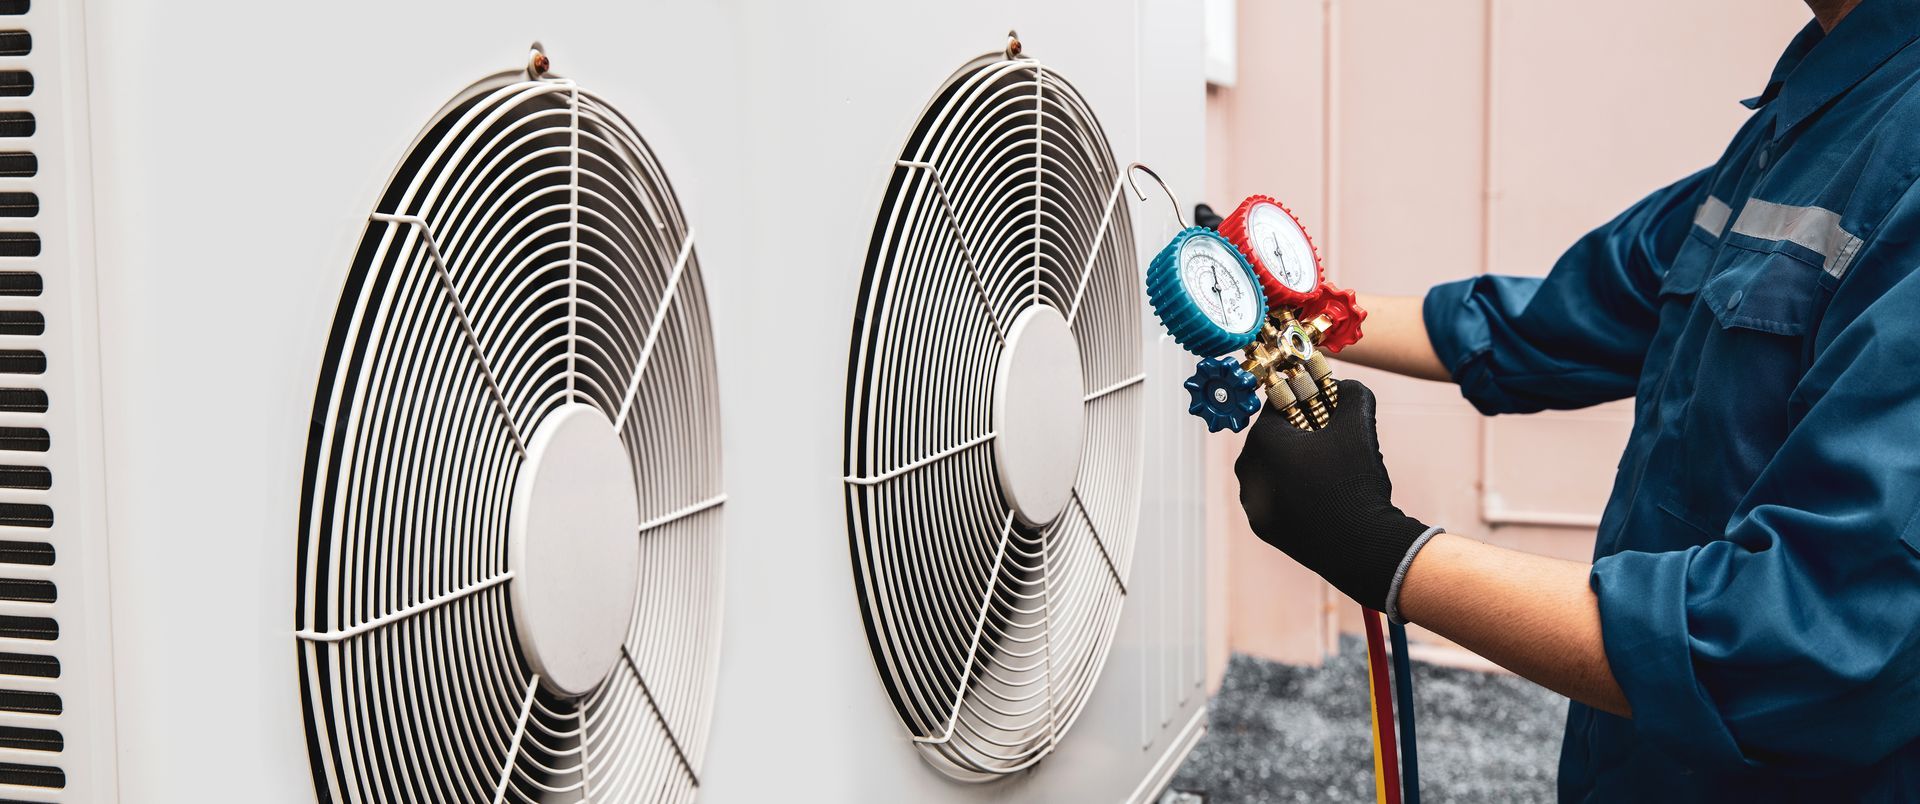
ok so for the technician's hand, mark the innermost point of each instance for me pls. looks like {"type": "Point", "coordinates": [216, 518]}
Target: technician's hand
{"type": "Point", "coordinates": [1323, 497]}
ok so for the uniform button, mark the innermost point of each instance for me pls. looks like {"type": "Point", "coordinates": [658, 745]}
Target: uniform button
{"type": "Point", "coordinates": [1733, 301]}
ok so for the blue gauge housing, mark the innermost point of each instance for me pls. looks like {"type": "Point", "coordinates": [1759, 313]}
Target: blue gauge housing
{"type": "Point", "coordinates": [1224, 395]}
{"type": "Point", "coordinates": [1181, 315]}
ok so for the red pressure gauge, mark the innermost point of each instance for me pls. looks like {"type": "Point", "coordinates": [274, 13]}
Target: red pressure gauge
{"type": "Point", "coordinates": [1280, 249]}
{"type": "Point", "coordinates": [1288, 264]}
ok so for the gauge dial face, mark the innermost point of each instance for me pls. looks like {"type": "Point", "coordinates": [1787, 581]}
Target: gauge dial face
{"type": "Point", "coordinates": [1222, 290]}
{"type": "Point", "coordinates": [1282, 248]}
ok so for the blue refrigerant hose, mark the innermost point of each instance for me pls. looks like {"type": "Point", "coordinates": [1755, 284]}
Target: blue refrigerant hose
{"type": "Point", "coordinates": [1403, 690]}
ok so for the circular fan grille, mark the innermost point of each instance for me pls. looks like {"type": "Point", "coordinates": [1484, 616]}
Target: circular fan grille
{"type": "Point", "coordinates": [1003, 210]}
{"type": "Point", "coordinates": [528, 263]}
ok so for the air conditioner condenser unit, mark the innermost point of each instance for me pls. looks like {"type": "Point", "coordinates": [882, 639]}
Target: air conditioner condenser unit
{"type": "Point", "coordinates": [415, 412]}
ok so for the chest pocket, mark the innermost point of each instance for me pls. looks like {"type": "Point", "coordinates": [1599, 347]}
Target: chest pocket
{"type": "Point", "coordinates": [1764, 291]}
{"type": "Point", "coordinates": [1744, 344]}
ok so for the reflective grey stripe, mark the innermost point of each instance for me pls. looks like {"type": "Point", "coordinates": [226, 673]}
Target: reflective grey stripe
{"type": "Point", "coordinates": [1817, 228]}
{"type": "Point", "coordinates": [1713, 216]}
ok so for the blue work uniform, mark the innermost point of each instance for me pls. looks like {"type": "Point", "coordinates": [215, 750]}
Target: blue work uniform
{"type": "Point", "coordinates": [1758, 565]}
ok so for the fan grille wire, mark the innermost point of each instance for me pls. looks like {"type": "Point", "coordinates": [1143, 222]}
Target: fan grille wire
{"type": "Point", "coordinates": [990, 634]}
{"type": "Point", "coordinates": [529, 253]}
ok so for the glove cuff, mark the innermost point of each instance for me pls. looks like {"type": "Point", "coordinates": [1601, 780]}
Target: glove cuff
{"type": "Point", "coordinates": [1392, 607]}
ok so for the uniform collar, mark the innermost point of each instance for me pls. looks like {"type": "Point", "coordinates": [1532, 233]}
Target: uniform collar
{"type": "Point", "coordinates": [1817, 66]}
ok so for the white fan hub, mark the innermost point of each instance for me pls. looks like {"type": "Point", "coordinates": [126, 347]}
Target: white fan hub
{"type": "Point", "coordinates": [1039, 415]}
{"type": "Point", "coordinates": [574, 550]}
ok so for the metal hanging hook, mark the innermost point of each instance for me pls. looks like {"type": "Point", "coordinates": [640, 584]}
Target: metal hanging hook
{"type": "Point", "coordinates": [1178, 213]}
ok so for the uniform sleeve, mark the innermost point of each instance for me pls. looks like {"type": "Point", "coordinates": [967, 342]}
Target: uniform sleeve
{"type": "Point", "coordinates": [1794, 642]}
{"type": "Point", "coordinates": [1576, 337]}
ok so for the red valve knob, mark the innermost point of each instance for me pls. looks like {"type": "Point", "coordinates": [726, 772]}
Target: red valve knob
{"type": "Point", "coordinates": [1279, 248]}
{"type": "Point", "coordinates": [1343, 309]}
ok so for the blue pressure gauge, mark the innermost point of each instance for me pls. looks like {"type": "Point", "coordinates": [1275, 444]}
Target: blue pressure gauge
{"type": "Point", "coordinates": [1205, 293]}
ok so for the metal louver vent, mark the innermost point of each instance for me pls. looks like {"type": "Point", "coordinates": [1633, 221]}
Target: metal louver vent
{"type": "Point", "coordinates": [994, 419]}
{"type": "Point", "coordinates": [39, 554]}
{"type": "Point", "coordinates": [510, 547]}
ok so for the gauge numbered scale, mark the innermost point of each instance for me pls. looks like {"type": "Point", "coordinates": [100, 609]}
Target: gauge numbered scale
{"type": "Point", "coordinates": [1280, 249]}
{"type": "Point", "coordinates": [1205, 293]}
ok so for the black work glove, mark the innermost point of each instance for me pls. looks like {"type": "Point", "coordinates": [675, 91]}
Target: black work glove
{"type": "Point", "coordinates": [1323, 497]}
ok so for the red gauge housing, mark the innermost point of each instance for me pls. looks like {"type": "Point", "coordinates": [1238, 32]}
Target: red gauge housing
{"type": "Point", "coordinates": [1234, 229]}
{"type": "Point", "coordinates": [1342, 308]}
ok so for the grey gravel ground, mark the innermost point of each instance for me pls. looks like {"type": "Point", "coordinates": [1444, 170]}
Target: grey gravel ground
{"type": "Point", "coordinates": [1279, 733]}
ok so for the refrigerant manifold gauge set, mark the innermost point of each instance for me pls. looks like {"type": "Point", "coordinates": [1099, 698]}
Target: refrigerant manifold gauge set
{"type": "Point", "coordinates": [1254, 286]}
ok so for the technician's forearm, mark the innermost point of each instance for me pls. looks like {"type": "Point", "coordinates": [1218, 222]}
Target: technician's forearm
{"type": "Point", "coordinates": [1396, 339]}
{"type": "Point", "coordinates": [1530, 614]}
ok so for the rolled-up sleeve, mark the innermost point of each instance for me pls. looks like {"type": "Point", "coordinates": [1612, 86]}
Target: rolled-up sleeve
{"type": "Point", "coordinates": [1577, 336]}
{"type": "Point", "coordinates": [1794, 641]}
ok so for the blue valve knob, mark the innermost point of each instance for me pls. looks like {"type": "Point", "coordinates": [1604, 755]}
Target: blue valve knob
{"type": "Point", "coordinates": [1224, 394]}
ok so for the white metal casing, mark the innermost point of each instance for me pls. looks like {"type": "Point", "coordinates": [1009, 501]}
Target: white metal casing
{"type": "Point", "coordinates": [236, 150]}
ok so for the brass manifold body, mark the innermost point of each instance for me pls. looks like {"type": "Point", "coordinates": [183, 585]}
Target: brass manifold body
{"type": "Point", "coordinates": [1289, 364]}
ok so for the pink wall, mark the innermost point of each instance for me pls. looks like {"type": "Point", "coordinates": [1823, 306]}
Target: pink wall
{"type": "Point", "coordinates": [1426, 141]}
